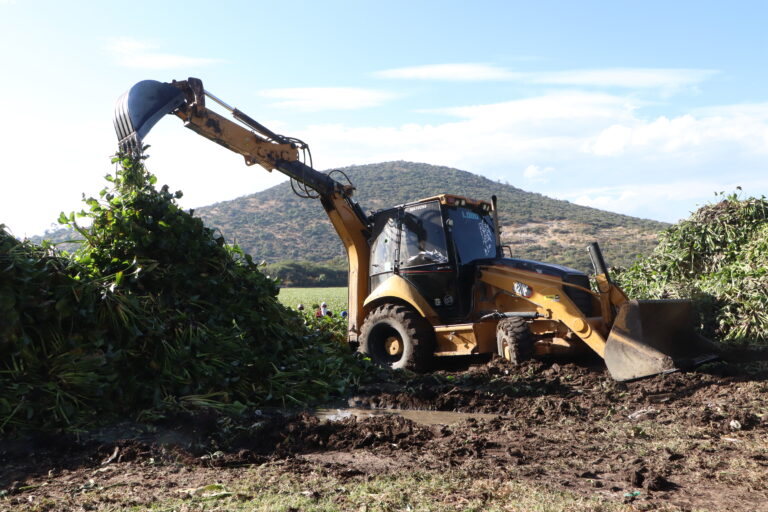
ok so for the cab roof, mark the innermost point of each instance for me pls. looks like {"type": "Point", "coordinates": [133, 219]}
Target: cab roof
{"type": "Point", "coordinates": [447, 199]}
{"type": "Point", "coordinates": [452, 199]}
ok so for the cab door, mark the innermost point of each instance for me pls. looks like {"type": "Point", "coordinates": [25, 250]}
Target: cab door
{"type": "Point", "coordinates": [385, 236]}
{"type": "Point", "coordinates": [424, 259]}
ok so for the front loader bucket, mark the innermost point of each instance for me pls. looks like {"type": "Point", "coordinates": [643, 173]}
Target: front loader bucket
{"type": "Point", "coordinates": [140, 108]}
{"type": "Point", "coordinates": [650, 337]}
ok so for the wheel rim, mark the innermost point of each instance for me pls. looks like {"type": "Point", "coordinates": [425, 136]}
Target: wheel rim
{"type": "Point", "coordinates": [506, 349]}
{"type": "Point", "coordinates": [388, 345]}
{"type": "Point", "coordinates": [393, 346]}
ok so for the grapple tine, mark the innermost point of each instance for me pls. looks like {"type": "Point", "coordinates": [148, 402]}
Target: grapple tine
{"type": "Point", "coordinates": [123, 125]}
{"type": "Point", "coordinates": [140, 108]}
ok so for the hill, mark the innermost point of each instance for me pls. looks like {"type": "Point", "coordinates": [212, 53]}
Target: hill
{"type": "Point", "coordinates": [275, 224]}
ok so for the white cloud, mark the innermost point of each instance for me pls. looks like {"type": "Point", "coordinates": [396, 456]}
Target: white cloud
{"type": "Point", "coordinates": [682, 133]}
{"type": "Point", "coordinates": [558, 127]}
{"type": "Point", "coordinates": [558, 106]}
{"type": "Point", "coordinates": [133, 53]}
{"type": "Point", "coordinates": [611, 141]}
{"type": "Point", "coordinates": [632, 78]}
{"type": "Point", "coordinates": [535, 173]}
{"type": "Point", "coordinates": [204, 171]}
{"type": "Point", "coordinates": [639, 194]}
{"type": "Point", "coordinates": [557, 144]}
{"type": "Point", "coordinates": [467, 72]}
{"type": "Point", "coordinates": [586, 138]}
{"type": "Point", "coordinates": [127, 46]}
{"type": "Point", "coordinates": [327, 98]}
{"type": "Point", "coordinates": [79, 171]}
{"type": "Point", "coordinates": [657, 200]}
{"type": "Point", "coordinates": [751, 110]}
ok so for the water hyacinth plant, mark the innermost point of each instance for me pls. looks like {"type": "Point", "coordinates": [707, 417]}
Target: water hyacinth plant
{"type": "Point", "coordinates": [154, 312]}
{"type": "Point", "coordinates": [718, 257]}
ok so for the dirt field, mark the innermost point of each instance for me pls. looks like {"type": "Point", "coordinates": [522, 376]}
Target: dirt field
{"type": "Point", "coordinates": [566, 438]}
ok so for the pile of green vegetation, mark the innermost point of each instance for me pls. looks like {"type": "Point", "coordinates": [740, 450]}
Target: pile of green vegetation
{"type": "Point", "coordinates": [154, 313]}
{"type": "Point", "coordinates": [719, 258]}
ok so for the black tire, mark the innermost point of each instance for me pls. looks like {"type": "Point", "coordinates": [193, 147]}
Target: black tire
{"type": "Point", "coordinates": [397, 337]}
{"type": "Point", "coordinates": [514, 340]}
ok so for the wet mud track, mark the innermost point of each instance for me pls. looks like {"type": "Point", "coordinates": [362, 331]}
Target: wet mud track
{"type": "Point", "coordinates": [689, 441]}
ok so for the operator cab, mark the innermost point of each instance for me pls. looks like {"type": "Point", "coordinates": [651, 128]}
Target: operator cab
{"type": "Point", "coordinates": [435, 244]}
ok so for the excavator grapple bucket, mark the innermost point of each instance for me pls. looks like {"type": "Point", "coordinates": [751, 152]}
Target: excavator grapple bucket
{"type": "Point", "coordinates": [650, 337]}
{"type": "Point", "coordinates": [140, 108]}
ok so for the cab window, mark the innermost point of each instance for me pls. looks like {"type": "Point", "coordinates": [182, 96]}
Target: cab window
{"type": "Point", "coordinates": [384, 244]}
{"type": "Point", "coordinates": [473, 234]}
{"type": "Point", "coordinates": [422, 239]}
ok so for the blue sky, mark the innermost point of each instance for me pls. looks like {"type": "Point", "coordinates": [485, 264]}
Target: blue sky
{"type": "Point", "coordinates": [644, 108]}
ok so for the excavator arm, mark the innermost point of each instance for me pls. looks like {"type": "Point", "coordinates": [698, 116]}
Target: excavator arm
{"type": "Point", "coordinates": [142, 106]}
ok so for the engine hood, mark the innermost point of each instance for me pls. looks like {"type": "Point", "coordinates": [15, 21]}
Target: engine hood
{"type": "Point", "coordinates": [550, 269]}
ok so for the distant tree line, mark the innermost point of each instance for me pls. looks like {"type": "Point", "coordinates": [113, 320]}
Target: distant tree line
{"type": "Point", "coordinates": [294, 273]}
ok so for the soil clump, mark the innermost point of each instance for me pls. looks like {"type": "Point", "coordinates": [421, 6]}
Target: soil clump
{"type": "Point", "coordinates": [696, 440]}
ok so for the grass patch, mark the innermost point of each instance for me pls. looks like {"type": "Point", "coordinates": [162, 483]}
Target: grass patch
{"type": "Point", "coordinates": [270, 488]}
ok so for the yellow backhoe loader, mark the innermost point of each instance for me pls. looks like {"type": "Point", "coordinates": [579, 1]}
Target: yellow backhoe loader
{"type": "Point", "coordinates": [429, 278]}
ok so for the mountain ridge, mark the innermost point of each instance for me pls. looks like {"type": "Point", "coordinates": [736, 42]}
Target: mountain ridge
{"type": "Point", "coordinates": [276, 225]}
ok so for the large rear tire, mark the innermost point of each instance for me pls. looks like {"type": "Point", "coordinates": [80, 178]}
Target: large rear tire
{"type": "Point", "coordinates": [397, 337]}
{"type": "Point", "coordinates": [514, 340]}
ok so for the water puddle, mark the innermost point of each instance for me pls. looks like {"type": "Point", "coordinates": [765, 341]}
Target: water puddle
{"type": "Point", "coordinates": [421, 417]}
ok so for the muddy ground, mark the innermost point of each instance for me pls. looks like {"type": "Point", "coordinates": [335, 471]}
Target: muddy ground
{"type": "Point", "coordinates": [684, 441]}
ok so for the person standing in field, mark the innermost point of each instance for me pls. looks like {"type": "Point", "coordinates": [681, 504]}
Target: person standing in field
{"type": "Point", "coordinates": [323, 311]}
{"type": "Point", "coordinates": [320, 311]}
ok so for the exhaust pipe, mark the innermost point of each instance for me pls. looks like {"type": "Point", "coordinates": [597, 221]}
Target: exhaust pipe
{"type": "Point", "coordinates": [496, 227]}
{"type": "Point", "coordinates": [598, 263]}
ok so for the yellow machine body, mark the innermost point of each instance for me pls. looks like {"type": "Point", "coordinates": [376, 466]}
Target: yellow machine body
{"type": "Point", "coordinates": [393, 320]}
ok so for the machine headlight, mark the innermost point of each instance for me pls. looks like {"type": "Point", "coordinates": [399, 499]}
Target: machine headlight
{"type": "Point", "coordinates": [523, 289]}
